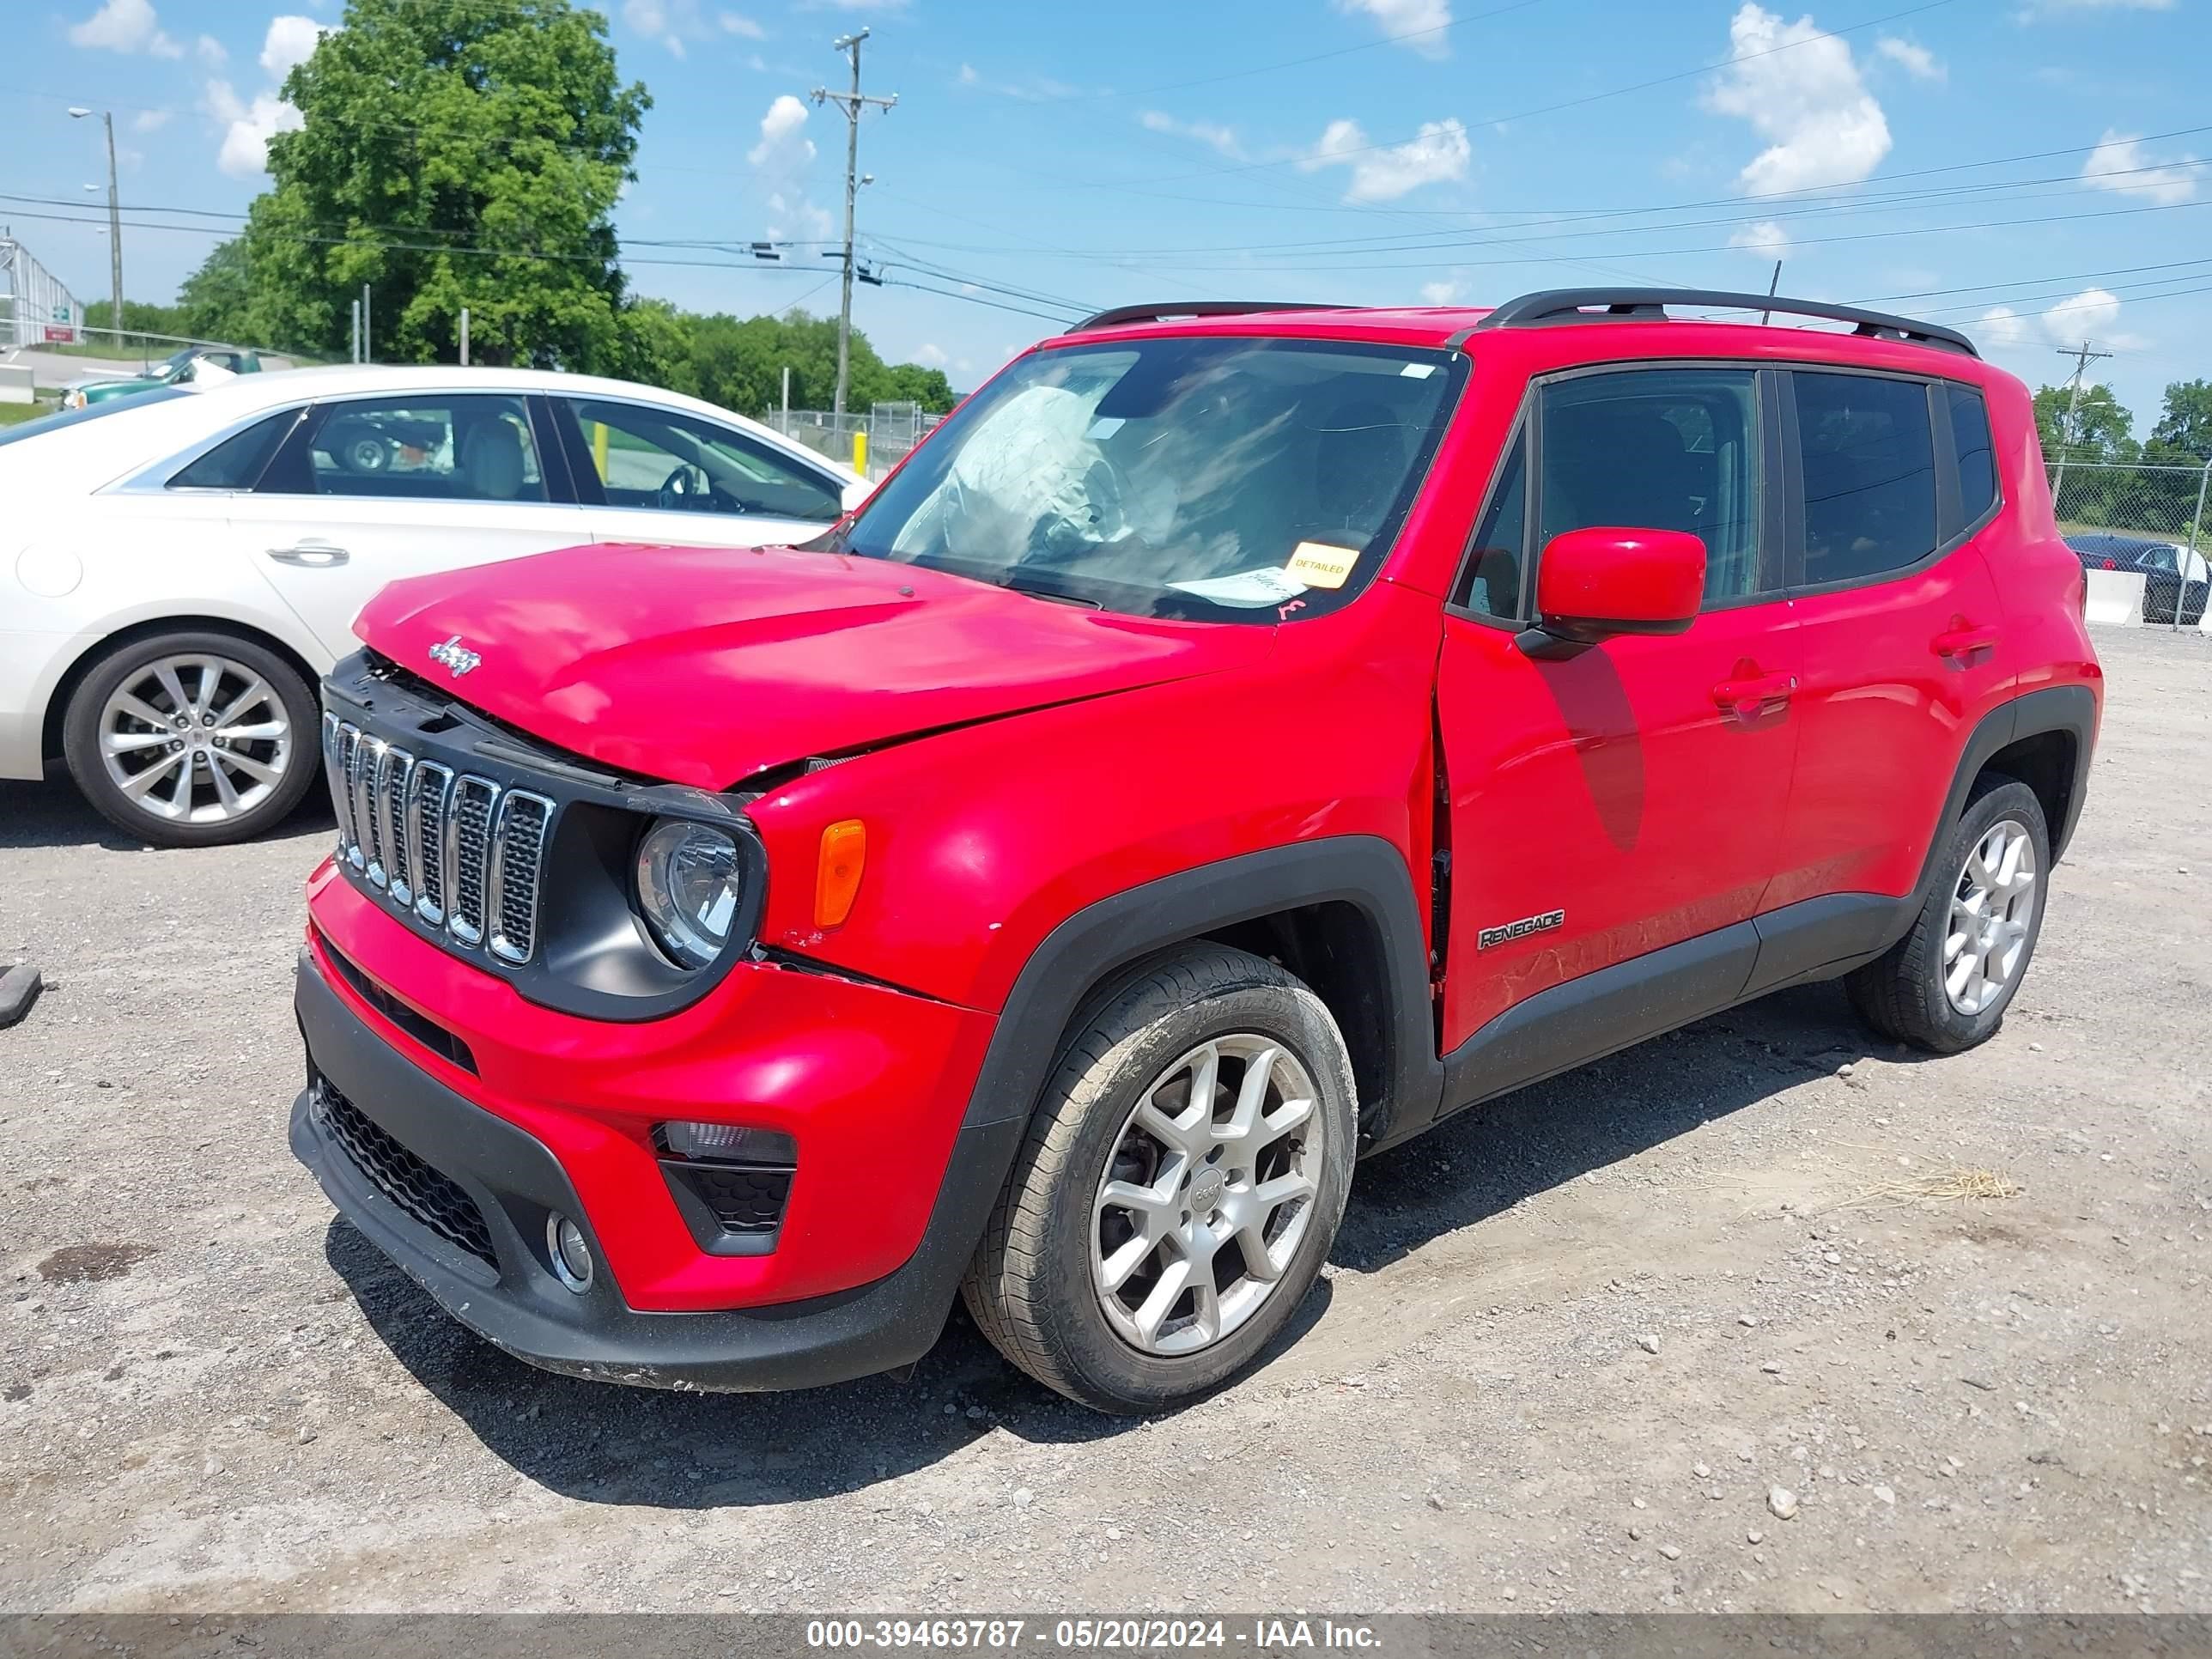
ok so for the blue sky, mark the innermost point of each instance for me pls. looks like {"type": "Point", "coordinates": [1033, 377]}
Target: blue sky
{"type": "Point", "coordinates": [1047, 158]}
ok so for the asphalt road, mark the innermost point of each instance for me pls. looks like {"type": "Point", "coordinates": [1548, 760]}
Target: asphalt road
{"type": "Point", "coordinates": [213, 1395]}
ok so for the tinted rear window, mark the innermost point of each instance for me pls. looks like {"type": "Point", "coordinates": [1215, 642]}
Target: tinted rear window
{"type": "Point", "coordinates": [237, 462]}
{"type": "Point", "coordinates": [1868, 460]}
{"type": "Point", "coordinates": [1978, 461]}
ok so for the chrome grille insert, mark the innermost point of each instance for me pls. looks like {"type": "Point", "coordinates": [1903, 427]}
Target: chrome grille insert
{"type": "Point", "coordinates": [518, 848]}
{"type": "Point", "coordinates": [425, 816]}
{"type": "Point", "coordinates": [390, 803]}
{"type": "Point", "coordinates": [368, 764]}
{"type": "Point", "coordinates": [468, 848]}
{"type": "Point", "coordinates": [343, 793]}
{"type": "Point", "coordinates": [334, 775]}
{"type": "Point", "coordinates": [460, 853]}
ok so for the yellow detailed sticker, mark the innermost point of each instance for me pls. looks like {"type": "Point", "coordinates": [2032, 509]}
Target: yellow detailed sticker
{"type": "Point", "coordinates": [1317, 564]}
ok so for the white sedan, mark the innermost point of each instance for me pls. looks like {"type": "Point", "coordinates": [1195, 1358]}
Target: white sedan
{"type": "Point", "coordinates": [177, 568]}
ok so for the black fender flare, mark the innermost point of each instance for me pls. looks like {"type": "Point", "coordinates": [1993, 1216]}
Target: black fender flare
{"type": "Point", "coordinates": [1365, 871]}
{"type": "Point", "coordinates": [2069, 708]}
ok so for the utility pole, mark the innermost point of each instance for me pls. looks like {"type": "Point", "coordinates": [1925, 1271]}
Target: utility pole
{"type": "Point", "coordinates": [114, 219]}
{"type": "Point", "coordinates": [2082, 359]}
{"type": "Point", "coordinates": [851, 103]}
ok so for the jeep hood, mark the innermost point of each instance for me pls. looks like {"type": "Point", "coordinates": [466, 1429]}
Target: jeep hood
{"type": "Point", "coordinates": [704, 665]}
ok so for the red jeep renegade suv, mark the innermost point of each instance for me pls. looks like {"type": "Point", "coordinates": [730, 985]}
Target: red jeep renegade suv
{"type": "Point", "coordinates": [1240, 737]}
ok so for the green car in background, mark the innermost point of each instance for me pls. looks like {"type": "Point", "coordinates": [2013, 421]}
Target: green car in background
{"type": "Point", "coordinates": [201, 363]}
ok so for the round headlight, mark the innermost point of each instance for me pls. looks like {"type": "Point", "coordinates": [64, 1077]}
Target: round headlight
{"type": "Point", "coordinates": [687, 877]}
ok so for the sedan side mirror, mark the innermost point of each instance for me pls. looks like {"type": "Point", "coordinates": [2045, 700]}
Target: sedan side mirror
{"type": "Point", "coordinates": [855, 492]}
{"type": "Point", "coordinates": [1606, 580]}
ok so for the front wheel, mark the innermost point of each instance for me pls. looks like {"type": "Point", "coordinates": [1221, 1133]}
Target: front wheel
{"type": "Point", "coordinates": [192, 739]}
{"type": "Point", "coordinates": [1946, 985]}
{"type": "Point", "coordinates": [1180, 1187]}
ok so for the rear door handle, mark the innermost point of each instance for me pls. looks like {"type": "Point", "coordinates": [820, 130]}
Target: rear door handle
{"type": "Point", "coordinates": [1746, 699]}
{"type": "Point", "coordinates": [311, 555]}
{"type": "Point", "coordinates": [1960, 644]}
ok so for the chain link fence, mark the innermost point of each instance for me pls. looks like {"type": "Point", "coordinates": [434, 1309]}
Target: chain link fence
{"type": "Point", "coordinates": [891, 430]}
{"type": "Point", "coordinates": [2133, 518]}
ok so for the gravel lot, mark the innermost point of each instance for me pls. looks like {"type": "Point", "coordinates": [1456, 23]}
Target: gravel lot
{"type": "Point", "coordinates": [1566, 1350]}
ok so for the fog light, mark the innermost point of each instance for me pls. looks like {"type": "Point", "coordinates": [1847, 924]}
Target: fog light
{"type": "Point", "coordinates": [727, 1143]}
{"type": "Point", "coordinates": [570, 1254]}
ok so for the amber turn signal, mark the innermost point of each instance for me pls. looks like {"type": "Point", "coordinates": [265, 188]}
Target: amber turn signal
{"type": "Point", "coordinates": [837, 880]}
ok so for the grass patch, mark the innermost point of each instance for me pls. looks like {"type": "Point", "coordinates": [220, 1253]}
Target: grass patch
{"type": "Point", "coordinates": [16, 414]}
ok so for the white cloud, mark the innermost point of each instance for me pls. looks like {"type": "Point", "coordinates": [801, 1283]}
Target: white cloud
{"type": "Point", "coordinates": [150, 120]}
{"type": "Point", "coordinates": [2119, 164]}
{"type": "Point", "coordinates": [666, 21]}
{"type": "Point", "coordinates": [931, 356]}
{"type": "Point", "coordinates": [1439, 293]}
{"type": "Point", "coordinates": [211, 51]}
{"type": "Point", "coordinates": [1917, 61]}
{"type": "Point", "coordinates": [743, 27]}
{"type": "Point", "coordinates": [2089, 315]}
{"type": "Point", "coordinates": [1439, 152]}
{"type": "Point", "coordinates": [290, 41]}
{"type": "Point", "coordinates": [1765, 239]}
{"type": "Point", "coordinates": [784, 151]}
{"type": "Point", "coordinates": [783, 158]}
{"type": "Point", "coordinates": [1221, 139]}
{"type": "Point", "coordinates": [853, 5]}
{"type": "Point", "coordinates": [1799, 89]}
{"type": "Point", "coordinates": [1419, 25]}
{"type": "Point", "coordinates": [248, 128]}
{"type": "Point", "coordinates": [125, 25]}
{"type": "Point", "coordinates": [796, 219]}
{"type": "Point", "coordinates": [2003, 328]}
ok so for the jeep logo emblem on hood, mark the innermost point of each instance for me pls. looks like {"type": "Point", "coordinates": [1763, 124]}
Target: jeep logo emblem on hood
{"type": "Point", "coordinates": [457, 657]}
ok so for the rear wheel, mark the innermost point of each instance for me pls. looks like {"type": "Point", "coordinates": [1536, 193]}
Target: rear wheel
{"type": "Point", "coordinates": [1179, 1189]}
{"type": "Point", "coordinates": [1946, 985]}
{"type": "Point", "coordinates": [192, 739]}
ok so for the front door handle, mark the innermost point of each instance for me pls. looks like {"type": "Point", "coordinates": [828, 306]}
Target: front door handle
{"type": "Point", "coordinates": [1960, 644]}
{"type": "Point", "coordinates": [311, 555]}
{"type": "Point", "coordinates": [1749, 698]}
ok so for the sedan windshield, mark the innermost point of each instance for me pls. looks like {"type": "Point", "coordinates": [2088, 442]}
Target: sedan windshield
{"type": "Point", "coordinates": [1207, 477]}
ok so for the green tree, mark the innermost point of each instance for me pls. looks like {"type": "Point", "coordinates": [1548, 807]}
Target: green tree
{"type": "Point", "coordinates": [2103, 429]}
{"type": "Point", "coordinates": [453, 154]}
{"type": "Point", "coordinates": [2185, 425]}
{"type": "Point", "coordinates": [138, 317]}
{"type": "Point", "coordinates": [216, 301]}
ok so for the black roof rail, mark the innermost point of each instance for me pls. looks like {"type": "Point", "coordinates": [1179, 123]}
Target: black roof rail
{"type": "Point", "coordinates": [1154, 313]}
{"type": "Point", "coordinates": [1597, 305]}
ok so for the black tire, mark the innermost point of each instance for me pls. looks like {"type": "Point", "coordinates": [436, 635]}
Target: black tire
{"type": "Point", "coordinates": [80, 738]}
{"type": "Point", "coordinates": [1902, 994]}
{"type": "Point", "coordinates": [1031, 1287]}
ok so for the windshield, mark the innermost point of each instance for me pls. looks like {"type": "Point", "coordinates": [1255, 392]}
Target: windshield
{"type": "Point", "coordinates": [1205, 477]}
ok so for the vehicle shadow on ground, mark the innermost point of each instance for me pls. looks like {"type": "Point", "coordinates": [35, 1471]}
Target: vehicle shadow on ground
{"type": "Point", "coordinates": [1484, 1162]}
{"type": "Point", "coordinates": [53, 814]}
{"type": "Point", "coordinates": [600, 1442]}
{"type": "Point", "coordinates": [606, 1444]}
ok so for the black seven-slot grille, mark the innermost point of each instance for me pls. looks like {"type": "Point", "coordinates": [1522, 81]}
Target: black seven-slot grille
{"type": "Point", "coordinates": [460, 851]}
{"type": "Point", "coordinates": [434, 1200]}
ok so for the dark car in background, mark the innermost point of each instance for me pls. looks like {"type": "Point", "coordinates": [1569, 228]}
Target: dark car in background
{"type": "Point", "coordinates": [2176, 581]}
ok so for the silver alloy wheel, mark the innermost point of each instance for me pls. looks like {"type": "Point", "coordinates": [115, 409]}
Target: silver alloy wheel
{"type": "Point", "coordinates": [1208, 1191]}
{"type": "Point", "coordinates": [1992, 911]}
{"type": "Point", "coordinates": [194, 739]}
